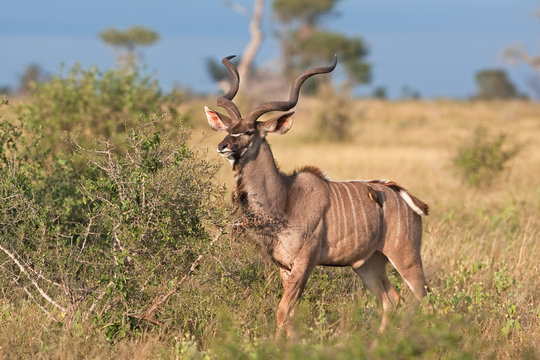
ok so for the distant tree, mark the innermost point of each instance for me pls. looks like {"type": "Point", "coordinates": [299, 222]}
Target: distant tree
{"type": "Point", "coordinates": [304, 43]}
{"type": "Point", "coordinates": [380, 93]}
{"type": "Point", "coordinates": [495, 84]}
{"type": "Point", "coordinates": [408, 93]}
{"type": "Point", "coordinates": [128, 41]}
{"type": "Point", "coordinates": [334, 115]}
{"type": "Point", "coordinates": [32, 74]}
{"type": "Point", "coordinates": [248, 56]}
{"type": "Point", "coordinates": [308, 12]}
{"type": "Point", "coordinates": [5, 90]}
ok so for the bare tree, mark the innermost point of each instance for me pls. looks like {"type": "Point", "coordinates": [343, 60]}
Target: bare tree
{"type": "Point", "coordinates": [255, 31]}
{"type": "Point", "coordinates": [517, 54]}
{"type": "Point", "coordinates": [254, 44]}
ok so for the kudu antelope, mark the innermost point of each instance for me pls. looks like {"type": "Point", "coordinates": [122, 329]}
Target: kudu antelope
{"type": "Point", "coordinates": [306, 219]}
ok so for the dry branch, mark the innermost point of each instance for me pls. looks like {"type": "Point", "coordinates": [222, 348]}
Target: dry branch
{"type": "Point", "coordinates": [254, 44]}
{"type": "Point", "coordinates": [33, 281]}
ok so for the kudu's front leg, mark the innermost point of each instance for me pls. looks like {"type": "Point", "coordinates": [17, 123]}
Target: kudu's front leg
{"type": "Point", "coordinates": [293, 281]}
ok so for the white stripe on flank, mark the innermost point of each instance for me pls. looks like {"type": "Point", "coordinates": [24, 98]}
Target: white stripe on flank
{"type": "Point", "coordinates": [363, 210]}
{"type": "Point", "coordinates": [379, 223]}
{"type": "Point", "coordinates": [354, 217]}
{"type": "Point", "coordinates": [406, 223]}
{"type": "Point", "coordinates": [384, 219]}
{"type": "Point", "coordinates": [398, 217]}
{"type": "Point", "coordinates": [344, 217]}
{"type": "Point", "coordinates": [333, 203]}
{"type": "Point", "coordinates": [336, 222]}
{"type": "Point", "coordinates": [405, 195]}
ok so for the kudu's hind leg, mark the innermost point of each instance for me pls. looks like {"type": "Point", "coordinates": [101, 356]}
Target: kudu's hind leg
{"type": "Point", "coordinates": [373, 274]}
{"type": "Point", "coordinates": [293, 282]}
{"type": "Point", "coordinates": [407, 258]}
{"type": "Point", "coordinates": [410, 269]}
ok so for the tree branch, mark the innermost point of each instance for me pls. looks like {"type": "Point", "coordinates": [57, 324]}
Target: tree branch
{"type": "Point", "coordinates": [237, 7]}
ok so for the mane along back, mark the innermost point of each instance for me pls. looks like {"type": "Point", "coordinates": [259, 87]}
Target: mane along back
{"type": "Point", "coordinates": [315, 171]}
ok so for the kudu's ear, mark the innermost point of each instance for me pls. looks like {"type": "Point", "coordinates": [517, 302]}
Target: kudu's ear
{"type": "Point", "coordinates": [279, 125]}
{"type": "Point", "coordinates": [217, 121]}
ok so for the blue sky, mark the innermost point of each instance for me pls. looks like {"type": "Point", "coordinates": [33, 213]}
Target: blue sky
{"type": "Point", "coordinates": [433, 46]}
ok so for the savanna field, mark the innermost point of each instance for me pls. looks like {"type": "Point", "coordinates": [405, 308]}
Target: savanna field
{"type": "Point", "coordinates": [127, 246]}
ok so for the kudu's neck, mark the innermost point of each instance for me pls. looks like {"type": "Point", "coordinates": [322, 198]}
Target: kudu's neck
{"type": "Point", "coordinates": [260, 182]}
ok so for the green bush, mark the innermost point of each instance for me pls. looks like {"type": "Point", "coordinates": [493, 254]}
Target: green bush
{"type": "Point", "coordinates": [97, 235]}
{"type": "Point", "coordinates": [92, 103]}
{"type": "Point", "coordinates": [483, 158]}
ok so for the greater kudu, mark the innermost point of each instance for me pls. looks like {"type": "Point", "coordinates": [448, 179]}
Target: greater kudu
{"type": "Point", "coordinates": [306, 219]}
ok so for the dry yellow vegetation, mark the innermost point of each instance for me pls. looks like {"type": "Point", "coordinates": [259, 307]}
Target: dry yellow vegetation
{"type": "Point", "coordinates": [410, 142]}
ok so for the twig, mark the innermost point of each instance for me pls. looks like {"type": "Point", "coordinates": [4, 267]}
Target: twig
{"type": "Point", "coordinates": [11, 196]}
{"type": "Point", "coordinates": [143, 317]}
{"type": "Point", "coordinates": [227, 272]}
{"type": "Point", "coordinates": [87, 233]}
{"type": "Point", "coordinates": [149, 313]}
{"type": "Point", "coordinates": [524, 241]}
{"type": "Point", "coordinates": [41, 277]}
{"type": "Point", "coordinates": [98, 299]}
{"type": "Point", "coordinates": [237, 7]}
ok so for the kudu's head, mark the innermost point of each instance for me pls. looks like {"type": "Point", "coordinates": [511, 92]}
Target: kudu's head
{"type": "Point", "coordinates": [245, 134]}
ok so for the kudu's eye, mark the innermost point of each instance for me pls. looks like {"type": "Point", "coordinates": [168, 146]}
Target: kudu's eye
{"type": "Point", "coordinates": [249, 132]}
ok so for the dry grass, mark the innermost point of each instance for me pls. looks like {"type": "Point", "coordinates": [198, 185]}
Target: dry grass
{"type": "Point", "coordinates": [409, 142]}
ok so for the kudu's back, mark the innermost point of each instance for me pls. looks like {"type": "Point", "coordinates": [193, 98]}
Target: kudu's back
{"type": "Point", "coordinates": [368, 216]}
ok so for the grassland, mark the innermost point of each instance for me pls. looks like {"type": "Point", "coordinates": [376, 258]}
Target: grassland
{"type": "Point", "coordinates": [481, 254]}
